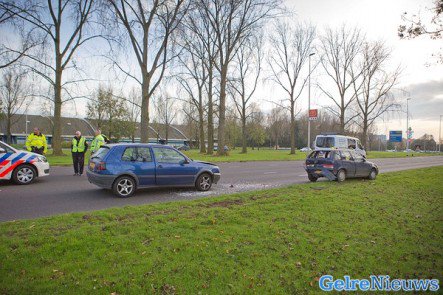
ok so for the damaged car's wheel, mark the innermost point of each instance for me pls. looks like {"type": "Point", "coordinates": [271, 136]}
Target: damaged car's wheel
{"type": "Point", "coordinates": [312, 178]}
{"type": "Point", "coordinates": [341, 175]}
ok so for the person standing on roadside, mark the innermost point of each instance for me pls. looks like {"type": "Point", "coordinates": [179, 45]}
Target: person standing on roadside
{"type": "Point", "coordinates": [79, 146]}
{"type": "Point", "coordinates": [97, 142]}
{"type": "Point", "coordinates": [36, 142]}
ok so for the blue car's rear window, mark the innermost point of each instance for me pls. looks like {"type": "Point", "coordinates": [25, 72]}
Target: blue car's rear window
{"type": "Point", "coordinates": [101, 153]}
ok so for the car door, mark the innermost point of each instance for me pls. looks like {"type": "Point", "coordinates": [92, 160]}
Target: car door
{"type": "Point", "coordinates": [362, 168]}
{"type": "Point", "coordinates": [139, 161]}
{"type": "Point", "coordinates": [5, 161]}
{"type": "Point", "coordinates": [172, 167]}
{"type": "Point", "coordinates": [347, 162]}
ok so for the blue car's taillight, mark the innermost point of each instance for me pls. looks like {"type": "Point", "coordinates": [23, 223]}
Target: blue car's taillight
{"type": "Point", "coordinates": [100, 166]}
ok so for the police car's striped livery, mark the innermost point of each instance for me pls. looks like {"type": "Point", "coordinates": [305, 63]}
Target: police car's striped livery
{"type": "Point", "coordinates": [21, 166]}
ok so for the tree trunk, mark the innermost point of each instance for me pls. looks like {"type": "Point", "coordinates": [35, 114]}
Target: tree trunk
{"type": "Point", "coordinates": [222, 112]}
{"type": "Point", "coordinates": [364, 140]}
{"type": "Point", "coordinates": [8, 130]}
{"type": "Point", "coordinates": [144, 123]}
{"type": "Point", "coordinates": [201, 127]}
{"type": "Point", "coordinates": [342, 116]}
{"type": "Point", "coordinates": [292, 128]}
{"type": "Point", "coordinates": [57, 127]}
{"type": "Point", "coordinates": [210, 150]}
{"type": "Point", "coordinates": [244, 149]}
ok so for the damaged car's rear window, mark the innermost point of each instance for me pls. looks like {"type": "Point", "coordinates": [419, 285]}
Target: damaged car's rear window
{"type": "Point", "coordinates": [320, 154]}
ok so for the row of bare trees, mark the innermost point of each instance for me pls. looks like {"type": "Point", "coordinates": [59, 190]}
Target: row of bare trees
{"type": "Point", "coordinates": [216, 53]}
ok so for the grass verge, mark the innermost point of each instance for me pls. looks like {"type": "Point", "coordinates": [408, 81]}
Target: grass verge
{"type": "Point", "coordinates": [252, 155]}
{"type": "Point", "coordinates": [272, 241]}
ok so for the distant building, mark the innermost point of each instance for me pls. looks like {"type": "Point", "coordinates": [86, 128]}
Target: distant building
{"type": "Point", "coordinates": [24, 124]}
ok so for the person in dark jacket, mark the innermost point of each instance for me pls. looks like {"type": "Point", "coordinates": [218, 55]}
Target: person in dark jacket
{"type": "Point", "coordinates": [79, 146]}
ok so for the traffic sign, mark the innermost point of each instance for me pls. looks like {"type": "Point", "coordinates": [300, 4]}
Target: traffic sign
{"type": "Point", "coordinates": [395, 136]}
{"type": "Point", "coordinates": [313, 114]}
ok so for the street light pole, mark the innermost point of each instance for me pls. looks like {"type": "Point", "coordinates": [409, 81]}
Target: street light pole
{"type": "Point", "coordinates": [309, 101]}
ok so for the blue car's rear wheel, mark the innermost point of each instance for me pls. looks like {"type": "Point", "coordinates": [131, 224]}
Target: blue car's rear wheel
{"type": "Point", "coordinates": [204, 182]}
{"type": "Point", "coordinates": [124, 186]}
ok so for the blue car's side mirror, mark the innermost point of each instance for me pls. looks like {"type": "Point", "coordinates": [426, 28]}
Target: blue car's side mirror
{"type": "Point", "coordinates": [183, 162]}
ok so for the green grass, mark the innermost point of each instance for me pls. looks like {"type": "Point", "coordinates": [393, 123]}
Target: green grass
{"type": "Point", "coordinates": [283, 155]}
{"type": "Point", "coordinates": [251, 155]}
{"type": "Point", "coordinates": [65, 160]}
{"type": "Point", "coordinates": [277, 241]}
{"type": "Point", "coordinates": [377, 154]}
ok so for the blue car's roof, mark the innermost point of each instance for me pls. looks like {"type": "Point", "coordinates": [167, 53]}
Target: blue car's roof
{"type": "Point", "coordinates": [110, 145]}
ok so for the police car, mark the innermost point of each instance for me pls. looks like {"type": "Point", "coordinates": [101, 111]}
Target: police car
{"type": "Point", "coordinates": [21, 166]}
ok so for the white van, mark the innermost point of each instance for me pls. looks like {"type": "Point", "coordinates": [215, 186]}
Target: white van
{"type": "Point", "coordinates": [325, 142]}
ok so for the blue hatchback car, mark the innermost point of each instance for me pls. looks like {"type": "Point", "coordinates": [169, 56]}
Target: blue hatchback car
{"type": "Point", "coordinates": [126, 167]}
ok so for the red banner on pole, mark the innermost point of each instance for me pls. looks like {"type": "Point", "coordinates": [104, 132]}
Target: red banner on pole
{"type": "Point", "coordinates": [313, 114]}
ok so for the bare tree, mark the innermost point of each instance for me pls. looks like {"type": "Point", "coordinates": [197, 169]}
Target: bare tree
{"type": "Point", "coordinates": [290, 49]}
{"type": "Point", "coordinates": [166, 112]}
{"type": "Point", "coordinates": [414, 25]}
{"type": "Point", "coordinates": [133, 110]}
{"type": "Point", "coordinates": [63, 24]}
{"type": "Point", "coordinates": [340, 48]}
{"type": "Point", "coordinates": [232, 23]}
{"type": "Point", "coordinates": [25, 39]}
{"type": "Point", "coordinates": [276, 122]}
{"type": "Point", "coordinates": [193, 61]}
{"type": "Point", "coordinates": [149, 27]}
{"type": "Point", "coordinates": [14, 95]}
{"type": "Point", "coordinates": [190, 121]}
{"type": "Point", "coordinates": [256, 126]}
{"type": "Point", "coordinates": [248, 64]}
{"type": "Point", "coordinates": [373, 85]}
{"type": "Point", "coordinates": [108, 112]}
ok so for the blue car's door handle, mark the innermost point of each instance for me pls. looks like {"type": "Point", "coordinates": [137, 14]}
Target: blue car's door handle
{"type": "Point", "coordinates": [159, 166]}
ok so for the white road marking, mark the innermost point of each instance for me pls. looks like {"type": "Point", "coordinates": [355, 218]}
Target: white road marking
{"type": "Point", "coordinates": [272, 172]}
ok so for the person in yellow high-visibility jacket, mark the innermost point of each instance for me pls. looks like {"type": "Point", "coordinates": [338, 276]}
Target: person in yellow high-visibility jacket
{"type": "Point", "coordinates": [36, 142]}
{"type": "Point", "coordinates": [97, 142]}
{"type": "Point", "coordinates": [78, 150]}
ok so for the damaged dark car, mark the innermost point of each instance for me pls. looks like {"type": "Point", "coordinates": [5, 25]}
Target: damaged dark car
{"type": "Point", "coordinates": [339, 165]}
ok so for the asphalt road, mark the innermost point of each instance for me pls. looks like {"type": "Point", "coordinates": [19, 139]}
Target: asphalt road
{"type": "Point", "coordinates": [62, 193]}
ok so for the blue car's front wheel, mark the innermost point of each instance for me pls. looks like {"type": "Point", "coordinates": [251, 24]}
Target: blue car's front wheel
{"type": "Point", "coordinates": [204, 182]}
{"type": "Point", "coordinates": [124, 186]}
